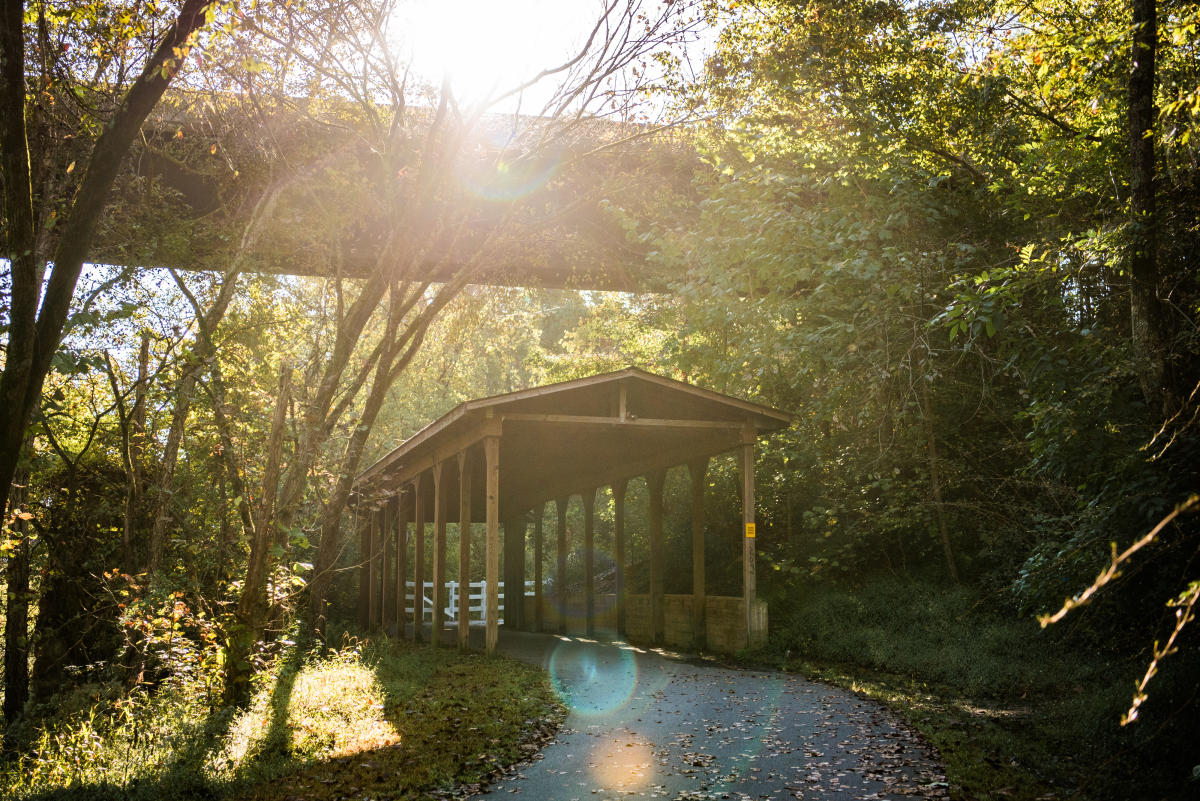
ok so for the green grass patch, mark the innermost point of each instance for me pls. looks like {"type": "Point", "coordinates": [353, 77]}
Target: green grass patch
{"type": "Point", "coordinates": [376, 719]}
{"type": "Point", "coordinates": [472, 718]}
{"type": "Point", "coordinates": [1015, 715]}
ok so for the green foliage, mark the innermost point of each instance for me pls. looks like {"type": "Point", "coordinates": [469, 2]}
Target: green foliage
{"type": "Point", "coordinates": [925, 631]}
{"type": "Point", "coordinates": [910, 228]}
{"type": "Point", "coordinates": [1015, 712]}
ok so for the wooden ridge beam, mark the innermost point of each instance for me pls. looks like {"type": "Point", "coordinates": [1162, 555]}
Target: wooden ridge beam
{"type": "Point", "coordinates": [626, 422]}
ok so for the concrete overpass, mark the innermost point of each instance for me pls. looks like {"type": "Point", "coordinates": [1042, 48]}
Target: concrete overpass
{"type": "Point", "coordinates": [531, 201]}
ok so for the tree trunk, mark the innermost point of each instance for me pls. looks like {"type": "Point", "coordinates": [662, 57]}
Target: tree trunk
{"type": "Point", "coordinates": [185, 387]}
{"type": "Point", "coordinates": [935, 484]}
{"type": "Point", "coordinates": [16, 623]}
{"type": "Point", "coordinates": [34, 335]}
{"type": "Point", "coordinates": [21, 249]}
{"type": "Point", "coordinates": [1148, 314]}
{"type": "Point", "coordinates": [134, 451]}
{"type": "Point", "coordinates": [394, 358]}
{"type": "Point", "coordinates": [250, 615]}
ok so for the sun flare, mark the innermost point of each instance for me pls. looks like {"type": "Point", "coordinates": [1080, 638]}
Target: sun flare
{"type": "Point", "coordinates": [484, 49]}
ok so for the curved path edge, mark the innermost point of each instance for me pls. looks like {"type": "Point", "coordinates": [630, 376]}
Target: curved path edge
{"type": "Point", "coordinates": [646, 724]}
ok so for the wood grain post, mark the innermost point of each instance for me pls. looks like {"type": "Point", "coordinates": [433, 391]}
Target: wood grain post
{"type": "Point", "coordinates": [418, 617]}
{"type": "Point", "coordinates": [698, 471]}
{"type": "Point", "coordinates": [386, 574]}
{"type": "Point", "coordinates": [618, 491]}
{"type": "Point", "coordinates": [514, 572]}
{"type": "Point", "coordinates": [464, 552]}
{"type": "Point", "coordinates": [749, 534]}
{"type": "Point", "coordinates": [654, 485]}
{"type": "Point", "coordinates": [560, 580]}
{"type": "Point", "coordinates": [491, 450]}
{"type": "Point", "coordinates": [439, 554]}
{"type": "Point", "coordinates": [373, 570]}
{"type": "Point", "coordinates": [403, 513]}
{"type": "Point", "coordinates": [589, 560]}
{"type": "Point", "coordinates": [538, 513]}
{"type": "Point", "coordinates": [364, 571]}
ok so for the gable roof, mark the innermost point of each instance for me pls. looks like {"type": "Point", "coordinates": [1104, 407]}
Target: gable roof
{"type": "Point", "coordinates": [617, 420]}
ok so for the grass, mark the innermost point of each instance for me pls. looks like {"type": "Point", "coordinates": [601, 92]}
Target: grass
{"type": "Point", "coordinates": [375, 719]}
{"type": "Point", "coordinates": [1014, 714]}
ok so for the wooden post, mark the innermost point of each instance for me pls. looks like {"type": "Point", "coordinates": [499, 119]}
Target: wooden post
{"type": "Point", "coordinates": [464, 552]}
{"type": "Point", "coordinates": [364, 572]}
{"type": "Point", "coordinates": [560, 580]}
{"type": "Point", "coordinates": [748, 533]}
{"type": "Point", "coordinates": [654, 485]}
{"type": "Point", "coordinates": [589, 559]}
{"type": "Point", "coordinates": [491, 449]}
{"type": "Point", "coordinates": [439, 554]}
{"type": "Point", "coordinates": [386, 575]}
{"type": "Point", "coordinates": [538, 512]}
{"type": "Point", "coordinates": [373, 570]}
{"type": "Point", "coordinates": [514, 572]}
{"type": "Point", "coordinates": [403, 511]}
{"type": "Point", "coordinates": [618, 491]}
{"type": "Point", "coordinates": [698, 471]}
{"type": "Point", "coordinates": [419, 558]}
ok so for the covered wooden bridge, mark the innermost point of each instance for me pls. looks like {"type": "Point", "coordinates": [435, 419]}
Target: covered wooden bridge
{"type": "Point", "coordinates": [495, 459]}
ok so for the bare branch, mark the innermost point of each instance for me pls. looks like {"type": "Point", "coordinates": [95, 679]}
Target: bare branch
{"type": "Point", "coordinates": [1113, 570]}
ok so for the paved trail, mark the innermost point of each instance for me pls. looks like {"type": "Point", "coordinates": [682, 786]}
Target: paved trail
{"type": "Point", "coordinates": [645, 726]}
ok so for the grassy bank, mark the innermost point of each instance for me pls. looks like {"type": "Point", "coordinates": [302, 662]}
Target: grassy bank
{"type": "Point", "coordinates": [375, 719]}
{"type": "Point", "coordinates": [1015, 713]}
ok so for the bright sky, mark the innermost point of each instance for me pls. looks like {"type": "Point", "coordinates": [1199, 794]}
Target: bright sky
{"type": "Point", "coordinates": [487, 47]}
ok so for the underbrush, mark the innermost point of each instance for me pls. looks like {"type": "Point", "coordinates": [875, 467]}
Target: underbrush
{"type": "Point", "coordinates": [1014, 712]}
{"type": "Point", "coordinates": [371, 718]}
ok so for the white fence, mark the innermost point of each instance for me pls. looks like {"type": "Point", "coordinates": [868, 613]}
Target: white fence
{"type": "Point", "coordinates": [476, 600]}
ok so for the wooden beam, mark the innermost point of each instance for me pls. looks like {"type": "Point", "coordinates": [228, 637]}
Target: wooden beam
{"type": "Point", "coordinates": [390, 472]}
{"type": "Point", "coordinates": [418, 618]}
{"type": "Point", "coordinates": [373, 571]}
{"type": "Point", "coordinates": [387, 576]}
{"type": "Point", "coordinates": [364, 571]}
{"type": "Point", "coordinates": [403, 513]}
{"type": "Point", "coordinates": [621, 422]}
{"type": "Point", "coordinates": [589, 559]}
{"type": "Point", "coordinates": [491, 450]}
{"type": "Point", "coordinates": [654, 485]}
{"type": "Point", "coordinates": [426, 447]}
{"type": "Point", "coordinates": [618, 491]}
{"type": "Point", "coordinates": [538, 512]}
{"type": "Point", "coordinates": [439, 554]}
{"type": "Point", "coordinates": [749, 534]}
{"type": "Point", "coordinates": [464, 551]}
{"type": "Point", "coordinates": [514, 572]}
{"type": "Point", "coordinates": [585, 476]}
{"type": "Point", "coordinates": [698, 472]}
{"type": "Point", "coordinates": [560, 578]}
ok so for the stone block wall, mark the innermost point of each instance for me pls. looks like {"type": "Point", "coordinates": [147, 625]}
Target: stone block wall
{"type": "Point", "coordinates": [725, 623]}
{"type": "Point", "coordinates": [605, 614]}
{"type": "Point", "coordinates": [638, 626]}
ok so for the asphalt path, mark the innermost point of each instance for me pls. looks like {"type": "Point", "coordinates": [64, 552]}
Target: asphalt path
{"type": "Point", "coordinates": [650, 724]}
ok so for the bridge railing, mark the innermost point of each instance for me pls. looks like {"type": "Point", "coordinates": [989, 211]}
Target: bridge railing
{"type": "Point", "coordinates": [472, 603]}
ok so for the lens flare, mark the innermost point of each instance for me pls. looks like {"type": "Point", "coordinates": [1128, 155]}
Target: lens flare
{"type": "Point", "coordinates": [622, 765]}
{"type": "Point", "coordinates": [503, 180]}
{"type": "Point", "coordinates": [592, 680]}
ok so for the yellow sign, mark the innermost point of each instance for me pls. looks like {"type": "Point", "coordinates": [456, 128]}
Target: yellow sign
{"type": "Point", "coordinates": [749, 531]}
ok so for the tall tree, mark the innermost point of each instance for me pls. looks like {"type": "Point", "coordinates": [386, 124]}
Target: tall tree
{"type": "Point", "coordinates": [1148, 314]}
{"type": "Point", "coordinates": [39, 236]}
